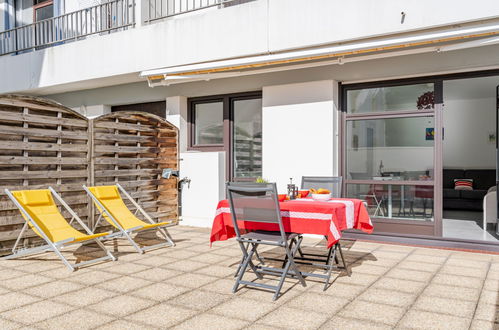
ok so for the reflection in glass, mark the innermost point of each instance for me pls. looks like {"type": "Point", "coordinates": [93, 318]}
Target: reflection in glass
{"type": "Point", "coordinates": [247, 138]}
{"type": "Point", "coordinates": [390, 149]}
{"type": "Point", "coordinates": [395, 201]}
{"type": "Point", "coordinates": [395, 98]}
{"type": "Point", "coordinates": [208, 123]}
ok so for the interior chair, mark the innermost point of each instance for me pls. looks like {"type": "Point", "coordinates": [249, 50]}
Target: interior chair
{"type": "Point", "coordinates": [490, 208]}
{"type": "Point", "coordinates": [252, 206]}
{"type": "Point", "coordinates": [42, 215]}
{"type": "Point", "coordinates": [114, 210]}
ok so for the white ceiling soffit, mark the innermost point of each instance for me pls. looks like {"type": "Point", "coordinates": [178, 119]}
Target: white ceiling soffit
{"type": "Point", "coordinates": [219, 69]}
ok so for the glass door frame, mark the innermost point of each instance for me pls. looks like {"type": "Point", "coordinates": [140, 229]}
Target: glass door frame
{"type": "Point", "coordinates": [394, 225]}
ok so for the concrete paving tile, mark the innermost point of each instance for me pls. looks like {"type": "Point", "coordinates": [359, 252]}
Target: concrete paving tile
{"type": "Point", "coordinates": [489, 297]}
{"type": "Point", "coordinates": [432, 252]}
{"type": "Point", "coordinates": [490, 284]}
{"type": "Point", "coordinates": [320, 303]}
{"type": "Point", "coordinates": [380, 313]}
{"type": "Point", "coordinates": [419, 266]}
{"type": "Point", "coordinates": [36, 312]}
{"type": "Point", "coordinates": [156, 274]}
{"type": "Point", "coordinates": [451, 292]}
{"type": "Point", "coordinates": [411, 275]}
{"type": "Point", "coordinates": [124, 325]}
{"type": "Point", "coordinates": [8, 273]}
{"type": "Point", "coordinates": [160, 291]}
{"type": "Point", "coordinates": [15, 299]}
{"type": "Point", "coordinates": [474, 262]}
{"type": "Point", "coordinates": [92, 277]}
{"type": "Point", "coordinates": [460, 308]}
{"type": "Point", "coordinates": [389, 255]}
{"type": "Point", "coordinates": [192, 280]}
{"type": "Point", "coordinates": [84, 297]}
{"type": "Point", "coordinates": [395, 284]}
{"type": "Point", "coordinates": [292, 318]}
{"type": "Point", "coordinates": [472, 256]}
{"type": "Point", "coordinates": [429, 259]}
{"type": "Point", "coordinates": [8, 325]}
{"type": "Point", "coordinates": [483, 325]}
{"type": "Point", "coordinates": [234, 252]}
{"type": "Point", "coordinates": [123, 284]}
{"type": "Point", "coordinates": [493, 274]}
{"type": "Point", "coordinates": [357, 279]}
{"type": "Point", "coordinates": [162, 316]}
{"type": "Point", "coordinates": [211, 321]}
{"type": "Point", "coordinates": [210, 258]}
{"type": "Point", "coordinates": [200, 300]}
{"type": "Point", "coordinates": [464, 271]}
{"type": "Point", "coordinates": [216, 270]}
{"type": "Point", "coordinates": [186, 265]}
{"type": "Point", "coordinates": [181, 254]}
{"type": "Point", "coordinates": [416, 319]}
{"type": "Point", "coordinates": [25, 281]}
{"type": "Point", "coordinates": [459, 281]}
{"type": "Point", "coordinates": [342, 290]}
{"type": "Point", "coordinates": [396, 248]}
{"type": "Point", "coordinates": [222, 286]}
{"type": "Point", "coordinates": [52, 289]}
{"type": "Point", "coordinates": [487, 312]}
{"type": "Point", "coordinates": [42, 265]}
{"type": "Point", "coordinates": [388, 297]}
{"type": "Point", "coordinates": [246, 309]}
{"type": "Point", "coordinates": [154, 260]}
{"type": "Point", "coordinates": [368, 268]}
{"type": "Point", "coordinates": [77, 319]}
{"type": "Point", "coordinates": [126, 268]}
{"type": "Point", "coordinates": [342, 323]}
{"type": "Point", "coordinates": [121, 306]}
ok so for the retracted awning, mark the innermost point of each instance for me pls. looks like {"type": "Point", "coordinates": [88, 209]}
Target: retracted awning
{"type": "Point", "coordinates": [441, 41]}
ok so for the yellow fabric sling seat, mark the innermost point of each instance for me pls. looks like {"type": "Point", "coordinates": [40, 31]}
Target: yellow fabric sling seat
{"type": "Point", "coordinates": [114, 210]}
{"type": "Point", "coordinates": [42, 208]}
{"type": "Point", "coordinates": [42, 215]}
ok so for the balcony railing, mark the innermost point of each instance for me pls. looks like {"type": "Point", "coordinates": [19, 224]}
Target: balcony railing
{"type": "Point", "coordinates": [104, 18]}
{"type": "Point", "coordinates": [158, 9]}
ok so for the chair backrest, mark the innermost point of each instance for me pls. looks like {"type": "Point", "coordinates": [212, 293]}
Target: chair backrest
{"type": "Point", "coordinates": [254, 202]}
{"type": "Point", "coordinates": [42, 209]}
{"type": "Point", "coordinates": [110, 198]}
{"type": "Point", "coordinates": [332, 183]}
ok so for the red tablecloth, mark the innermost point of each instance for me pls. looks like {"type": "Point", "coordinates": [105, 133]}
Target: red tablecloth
{"type": "Point", "coordinates": [303, 216]}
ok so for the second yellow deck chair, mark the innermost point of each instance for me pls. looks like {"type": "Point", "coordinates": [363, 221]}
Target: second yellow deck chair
{"type": "Point", "coordinates": [114, 210]}
{"type": "Point", "coordinates": [42, 215]}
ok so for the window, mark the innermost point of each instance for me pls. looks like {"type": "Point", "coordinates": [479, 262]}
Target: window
{"type": "Point", "coordinates": [230, 123]}
{"type": "Point", "coordinates": [43, 9]}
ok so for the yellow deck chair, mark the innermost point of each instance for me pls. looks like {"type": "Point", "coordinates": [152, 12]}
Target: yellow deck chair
{"type": "Point", "coordinates": [42, 215]}
{"type": "Point", "coordinates": [114, 210]}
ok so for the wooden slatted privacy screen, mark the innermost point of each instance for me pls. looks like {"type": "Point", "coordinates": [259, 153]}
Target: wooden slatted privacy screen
{"type": "Point", "coordinates": [43, 143]}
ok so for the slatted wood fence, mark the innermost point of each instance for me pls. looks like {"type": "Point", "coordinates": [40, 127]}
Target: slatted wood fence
{"type": "Point", "coordinates": [43, 144]}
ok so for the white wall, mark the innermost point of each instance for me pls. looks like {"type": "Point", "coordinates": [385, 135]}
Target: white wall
{"type": "Point", "coordinates": [467, 125]}
{"type": "Point", "coordinates": [298, 134]}
{"type": "Point", "coordinates": [253, 28]}
{"type": "Point", "coordinates": [207, 173]}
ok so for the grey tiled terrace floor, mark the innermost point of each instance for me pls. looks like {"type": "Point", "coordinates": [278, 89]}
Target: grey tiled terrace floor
{"type": "Point", "coordinates": [189, 286]}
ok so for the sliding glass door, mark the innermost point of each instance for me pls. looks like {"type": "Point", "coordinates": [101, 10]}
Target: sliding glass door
{"type": "Point", "coordinates": [389, 155]}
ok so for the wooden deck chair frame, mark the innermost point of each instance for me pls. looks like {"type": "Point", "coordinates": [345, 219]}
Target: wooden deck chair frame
{"type": "Point", "coordinates": [127, 233]}
{"type": "Point", "coordinates": [56, 247]}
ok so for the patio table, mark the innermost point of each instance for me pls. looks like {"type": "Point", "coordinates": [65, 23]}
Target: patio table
{"type": "Point", "coordinates": [303, 216]}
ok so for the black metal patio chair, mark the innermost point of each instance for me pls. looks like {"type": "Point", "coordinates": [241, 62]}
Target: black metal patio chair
{"type": "Point", "coordinates": [258, 203]}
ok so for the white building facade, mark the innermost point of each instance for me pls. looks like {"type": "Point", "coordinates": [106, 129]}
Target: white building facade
{"type": "Point", "coordinates": [280, 89]}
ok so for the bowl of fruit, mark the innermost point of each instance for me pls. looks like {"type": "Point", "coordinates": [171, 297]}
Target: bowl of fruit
{"type": "Point", "coordinates": [320, 194]}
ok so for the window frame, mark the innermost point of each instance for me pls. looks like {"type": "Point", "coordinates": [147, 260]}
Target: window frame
{"type": "Point", "coordinates": [37, 6]}
{"type": "Point", "coordinates": [228, 126]}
